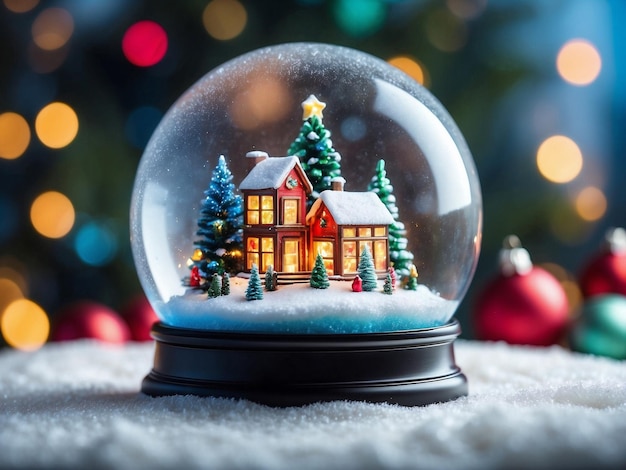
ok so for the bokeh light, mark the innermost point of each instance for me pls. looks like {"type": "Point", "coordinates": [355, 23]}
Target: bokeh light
{"type": "Point", "coordinates": [411, 67]}
{"type": "Point", "coordinates": [95, 244]}
{"type": "Point", "coordinates": [467, 9]}
{"type": "Point", "coordinates": [56, 125]}
{"type": "Point", "coordinates": [224, 19]}
{"type": "Point", "coordinates": [445, 31]}
{"type": "Point", "coordinates": [25, 325]}
{"type": "Point", "coordinates": [43, 61]}
{"type": "Point", "coordinates": [9, 292]}
{"type": "Point", "coordinates": [52, 214]}
{"type": "Point", "coordinates": [359, 17]}
{"type": "Point", "coordinates": [591, 203]}
{"type": "Point", "coordinates": [52, 28]}
{"type": "Point", "coordinates": [14, 135]}
{"type": "Point", "coordinates": [559, 159]}
{"type": "Point", "coordinates": [145, 43]}
{"type": "Point", "coordinates": [264, 101]}
{"type": "Point", "coordinates": [20, 6]}
{"type": "Point", "coordinates": [579, 62]}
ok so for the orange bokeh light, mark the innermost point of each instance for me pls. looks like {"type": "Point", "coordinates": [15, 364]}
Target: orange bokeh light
{"type": "Point", "coordinates": [559, 159]}
{"type": "Point", "coordinates": [52, 214]}
{"type": "Point", "coordinates": [579, 62]}
{"type": "Point", "coordinates": [14, 135]}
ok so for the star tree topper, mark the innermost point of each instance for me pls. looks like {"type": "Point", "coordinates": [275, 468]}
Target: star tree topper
{"type": "Point", "coordinates": [312, 107]}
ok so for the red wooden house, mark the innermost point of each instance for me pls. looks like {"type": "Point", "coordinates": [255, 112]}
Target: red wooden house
{"type": "Point", "coordinates": [275, 232]}
{"type": "Point", "coordinates": [278, 231]}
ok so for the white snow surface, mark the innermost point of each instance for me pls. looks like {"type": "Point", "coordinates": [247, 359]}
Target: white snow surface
{"type": "Point", "coordinates": [299, 308]}
{"type": "Point", "coordinates": [77, 405]}
{"type": "Point", "coordinates": [269, 173]}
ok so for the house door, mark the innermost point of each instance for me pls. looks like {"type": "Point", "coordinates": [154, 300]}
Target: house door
{"type": "Point", "coordinates": [327, 249]}
{"type": "Point", "coordinates": [291, 255]}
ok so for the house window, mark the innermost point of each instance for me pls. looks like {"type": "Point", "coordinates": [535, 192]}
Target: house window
{"type": "Point", "coordinates": [260, 210]}
{"type": "Point", "coordinates": [290, 211]}
{"type": "Point", "coordinates": [349, 232]}
{"type": "Point", "coordinates": [350, 256]}
{"type": "Point", "coordinates": [260, 249]}
{"type": "Point", "coordinates": [380, 255]}
{"type": "Point", "coordinates": [327, 250]}
{"type": "Point", "coordinates": [365, 232]}
{"type": "Point", "coordinates": [380, 232]}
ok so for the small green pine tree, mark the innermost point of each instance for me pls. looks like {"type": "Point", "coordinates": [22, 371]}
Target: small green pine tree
{"type": "Point", "coordinates": [366, 270]}
{"type": "Point", "coordinates": [319, 276]}
{"type": "Point", "coordinates": [269, 278]}
{"type": "Point", "coordinates": [225, 284]}
{"type": "Point", "coordinates": [400, 257]}
{"type": "Point", "coordinates": [215, 289]}
{"type": "Point", "coordinates": [387, 288]}
{"type": "Point", "coordinates": [254, 291]}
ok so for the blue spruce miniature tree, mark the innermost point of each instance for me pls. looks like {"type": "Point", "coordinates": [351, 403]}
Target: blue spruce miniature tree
{"type": "Point", "coordinates": [366, 270]}
{"type": "Point", "coordinates": [400, 257]}
{"type": "Point", "coordinates": [314, 148]}
{"type": "Point", "coordinates": [319, 276]}
{"type": "Point", "coordinates": [254, 291]}
{"type": "Point", "coordinates": [220, 225]}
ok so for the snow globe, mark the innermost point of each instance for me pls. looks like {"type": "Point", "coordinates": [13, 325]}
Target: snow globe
{"type": "Point", "coordinates": [305, 221]}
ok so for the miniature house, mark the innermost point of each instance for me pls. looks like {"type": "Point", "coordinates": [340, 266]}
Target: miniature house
{"type": "Point", "coordinates": [278, 231]}
{"type": "Point", "coordinates": [275, 233]}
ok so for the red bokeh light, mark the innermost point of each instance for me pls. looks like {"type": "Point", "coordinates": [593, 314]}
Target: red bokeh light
{"type": "Point", "coordinates": [144, 43]}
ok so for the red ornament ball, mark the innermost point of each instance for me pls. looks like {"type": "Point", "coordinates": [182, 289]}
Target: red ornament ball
{"type": "Point", "coordinates": [604, 274]}
{"type": "Point", "coordinates": [529, 308]}
{"type": "Point", "coordinates": [140, 317]}
{"type": "Point", "coordinates": [88, 319]}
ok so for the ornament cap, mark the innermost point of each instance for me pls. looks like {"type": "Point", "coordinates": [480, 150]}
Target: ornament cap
{"type": "Point", "coordinates": [615, 240]}
{"type": "Point", "coordinates": [514, 259]}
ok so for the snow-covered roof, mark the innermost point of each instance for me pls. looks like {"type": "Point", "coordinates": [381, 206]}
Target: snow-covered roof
{"type": "Point", "coordinates": [271, 173]}
{"type": "Point", "coordinates": [349, 208]}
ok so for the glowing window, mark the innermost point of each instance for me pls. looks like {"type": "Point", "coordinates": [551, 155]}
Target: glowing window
{"type": "Point", "coordinates": [260, 210]}
{"type": "Point", "coordinates": [290, 211]}
{"type": "Point", "coordinates": [380, 232]}
{"type": "Point", "coordinates": [349, 232]}
{"type": "Point", "coordinates": [380, 255]}
{"type": "Point", "coordinates": [365, 232]}
{"type": "Point", "coordinates": [349, 257]}
{"type": "Point", "coordinates": [260, 249]}
{"type": "Point", "coordinates": [327, 250]}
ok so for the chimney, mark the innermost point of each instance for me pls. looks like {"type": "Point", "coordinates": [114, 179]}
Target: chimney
{"type": "Point", "coordinates": [255, 157]}
{"type": "Point", "coordinates": [336, 184]}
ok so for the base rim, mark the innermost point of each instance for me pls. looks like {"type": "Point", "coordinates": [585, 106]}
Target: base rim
{"type": "Point", "coordinates": [407, 368]}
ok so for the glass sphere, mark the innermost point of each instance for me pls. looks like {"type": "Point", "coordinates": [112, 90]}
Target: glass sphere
{"type": "Point", "coordinates": [248, 216]}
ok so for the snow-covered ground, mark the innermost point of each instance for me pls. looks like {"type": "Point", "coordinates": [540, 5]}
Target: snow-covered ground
{"type": "Point", "coordinates": [298, 308]}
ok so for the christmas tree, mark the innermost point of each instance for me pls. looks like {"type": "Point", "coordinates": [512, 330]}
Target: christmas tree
{"type": "Point", "coordinates": [314, 147]}
{"type": "Point", "coordinates": [225, 284]}
{"type": "Point", "coordinates": [366, 270]}
{"type": "Point", "coordinates": [215, 288]}
{"type": "Point", "coordinates": [270, 274]}
{"type": "Point", "coordinates": [387, 287]}
{"type": "Point", "coordinates": [398, 254]}
{"type": "Point", "coordinates": [254, 291]}
{"type": "Point", "coordinates": [220, 225]}
{"type": "Point", "coordinates": [410, 282]}
{"type": "Point", "coordinates": [319, 276]}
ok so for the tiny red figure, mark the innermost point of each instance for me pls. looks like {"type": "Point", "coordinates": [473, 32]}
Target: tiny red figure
{"type": "Point", "coordinates": [357, 284]}
{"type": "Point", "coordinates": [194, 279]}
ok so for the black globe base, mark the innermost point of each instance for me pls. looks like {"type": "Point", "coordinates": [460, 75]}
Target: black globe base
{"type": "Point", "coordinates": [410, 368]}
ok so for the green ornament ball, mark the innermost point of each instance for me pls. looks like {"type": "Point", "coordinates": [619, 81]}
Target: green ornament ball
{"type": "Point", "coordinates": [601, 327]}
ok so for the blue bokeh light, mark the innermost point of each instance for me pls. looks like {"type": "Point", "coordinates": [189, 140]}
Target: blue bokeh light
{"type": "Point", "coordinates": [95, 244]}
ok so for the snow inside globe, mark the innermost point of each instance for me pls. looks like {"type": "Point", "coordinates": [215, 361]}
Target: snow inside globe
{"type": "Point", "coordinates": [306, 189]}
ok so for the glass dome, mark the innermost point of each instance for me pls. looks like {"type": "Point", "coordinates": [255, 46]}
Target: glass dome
{"type": "Point", "coordinates": [306, 188]}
